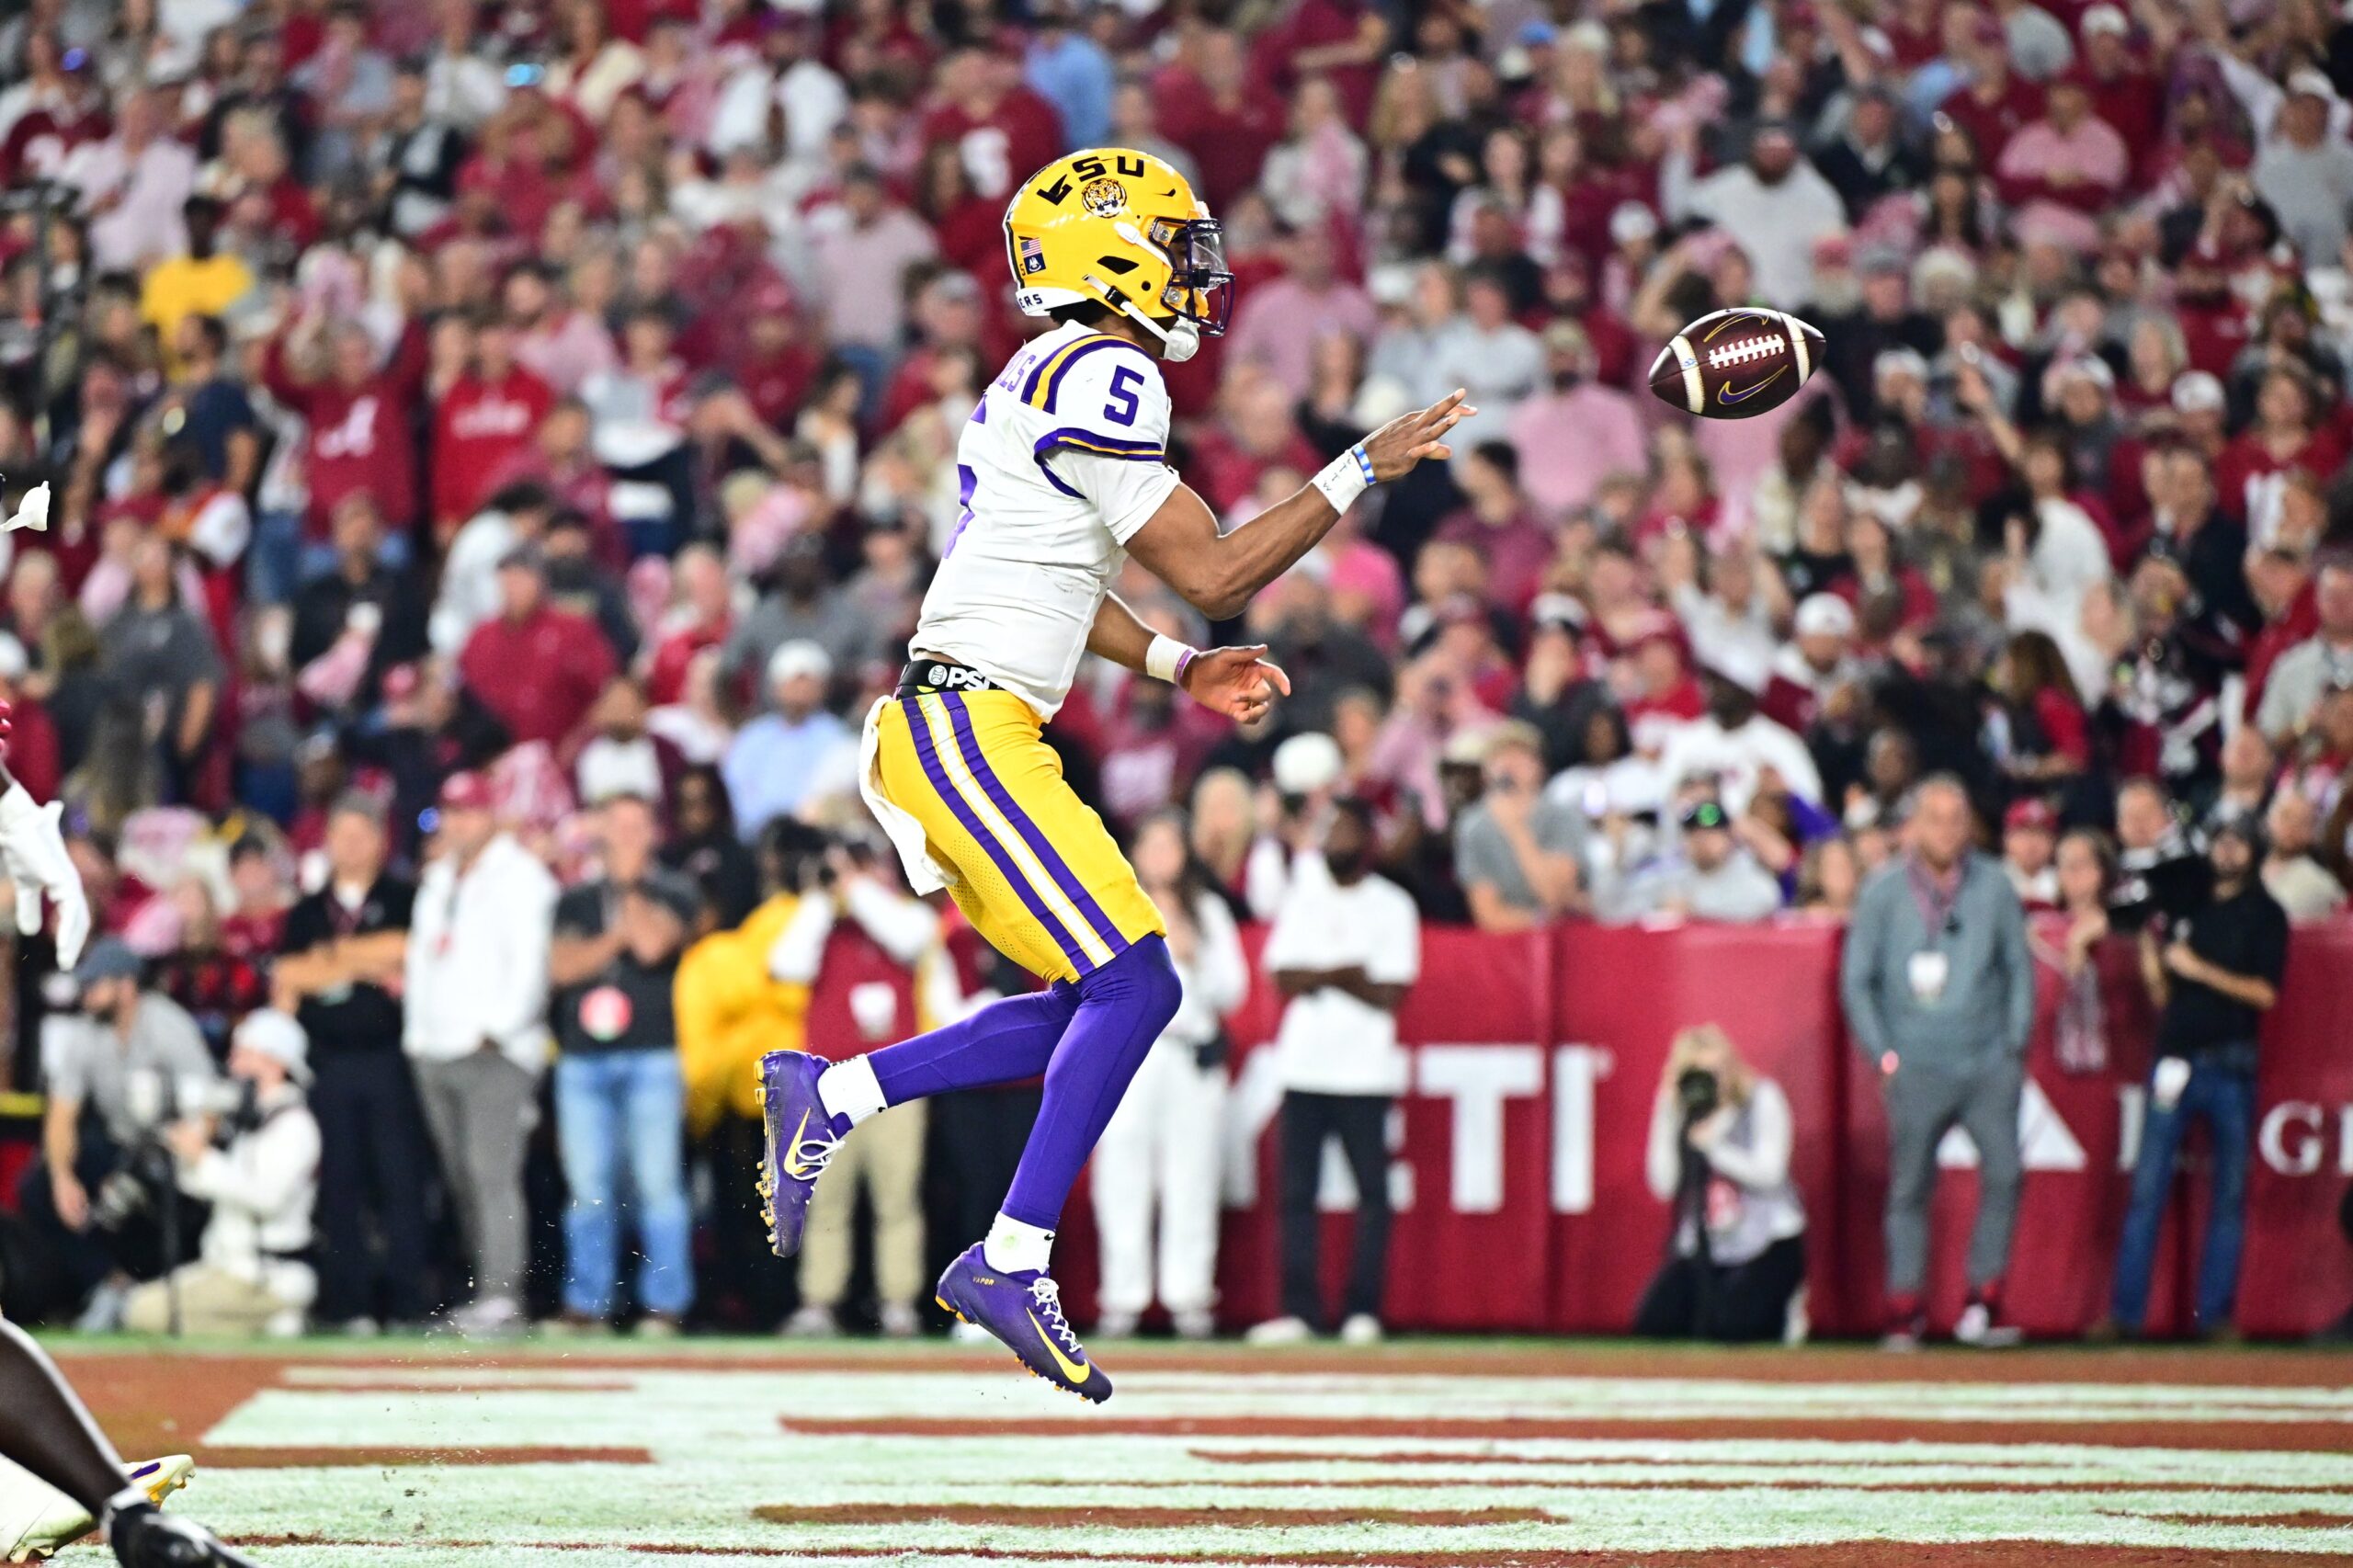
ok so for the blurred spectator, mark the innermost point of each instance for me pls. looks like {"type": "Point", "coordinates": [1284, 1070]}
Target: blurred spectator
{"type": "Point", "coordinates": [729, 1010]}
{"type": "Point", "coordinates": [340, 967]}
{"type": "Point", "coordinates": [475, 981]}
{"type": "Point", "coordinates": [1519, 855]}
{"type": "Point", "coordinates": [356, 622]}
{"type": "Point", "coordinates": [705, 846]}
{"type": "Point", "coordinates": [801, 607]}
{"type": "Point", "coordinates": [2323, 661]}
{"type": "Point", "coordinates": [1719, 1151]}
{"type": "Point", "coordinates": [1345, 948]}
{"type": "Point", "coordinates": [1774, 206]}
{"type": "Point", "coordinates": [866, 955]}
{"type": "Point", "coordinates": [2303, 887]}
{"type": "Point", "coordinates": [2214, 979]}
{"type": "Point", "coordinates": [1733, 747]}
{"type": "Point", "coordinates": [536, 668]}
{"type": "Point", "coordinates": [619, 1093]}
{"type": "Point", "coordinates": [1497, 524]}
{"type": "Point", "coordinates": [1558, 475]}
{"type": "Point", "coordinates": [1157, 1173]}
{"type": "Point", "coordinates": [1286, 316]}
{"type": "Point", "coordinates": [2030, 847]}
{"type": "Point", "coordinates": [163, 667]}
{"type": "Point", "coordinates": [1938, 988]}
{"type": "Point", "coordinates": [797, 752]}
{"type": "Point", "coordinates": [1709, 876]}
{"type": "Point", "coordinates": [257, 1166]}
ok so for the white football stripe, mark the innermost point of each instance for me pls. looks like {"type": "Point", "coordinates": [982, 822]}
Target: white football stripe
{"type": "Point", "coordinates": [1695, 390]}
{"type": "Point", "coordinates": [1797, 345]}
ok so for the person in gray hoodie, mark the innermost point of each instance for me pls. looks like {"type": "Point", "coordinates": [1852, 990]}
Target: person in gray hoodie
{"type": "Point", "coordinates": [1938, 990]}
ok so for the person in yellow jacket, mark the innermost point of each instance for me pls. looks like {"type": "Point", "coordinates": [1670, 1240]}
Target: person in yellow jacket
{"type": "Point", "coordinates": [730, 1010]}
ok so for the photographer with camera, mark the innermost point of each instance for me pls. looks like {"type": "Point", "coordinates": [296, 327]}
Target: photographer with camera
{"type": "Point", "coordinates": [252, 1155]}
{"type": "Point", "coordinates": [113, 1070]}
{"type": "Point", "coordinates": [1720, 1143]}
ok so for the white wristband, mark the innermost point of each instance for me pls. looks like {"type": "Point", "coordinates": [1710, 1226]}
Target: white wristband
{"type": "Point", "coordinates": [1166, 658]}
{"type": "Point", "coordinates": [1345, 478]}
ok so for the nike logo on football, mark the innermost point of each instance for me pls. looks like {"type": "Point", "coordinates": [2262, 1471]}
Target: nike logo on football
{"type": "Point", "coordinates": [1725, 395]}
{"type": "Point", "coordinates": [1075, 1371]}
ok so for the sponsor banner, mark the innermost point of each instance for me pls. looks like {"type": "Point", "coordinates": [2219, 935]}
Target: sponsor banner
{"type": "Point", "coordinates": [1517, 1155]}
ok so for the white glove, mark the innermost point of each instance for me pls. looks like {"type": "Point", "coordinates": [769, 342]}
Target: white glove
{"type": "Point", "coordinates": [32, 851]}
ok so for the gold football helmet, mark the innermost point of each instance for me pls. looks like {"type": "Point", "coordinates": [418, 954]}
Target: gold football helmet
{"type": "Point", "coordinates": [1123, 230]}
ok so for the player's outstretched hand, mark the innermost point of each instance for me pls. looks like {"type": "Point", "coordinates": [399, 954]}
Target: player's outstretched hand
{"type": "Point", "coordinates": [1406, 440]}
{"type": "Point", "coordinates": [1236, 682]}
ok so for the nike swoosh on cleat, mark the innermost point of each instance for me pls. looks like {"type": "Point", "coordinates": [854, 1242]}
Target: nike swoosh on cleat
{"type": "Point", "coordinates": [791, 1160]}
{"type": "Point", "coordinates": [1075, 1371]}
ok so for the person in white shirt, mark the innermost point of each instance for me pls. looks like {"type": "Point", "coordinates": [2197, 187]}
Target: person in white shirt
{"type": "Point", "coordinates": [1161, 1149]}
{"type": "Point", "coordinates": [258, 1167]}
{"type": "Point", "coordinates": [477, 1033]}
{"type": "Point", "coordinates": [1732, 743]}
{"type": "Point", "coordinates": [134, 185]}
{"type": "Point", "coordinates": [1720, 1142]}
{"type": "Point", "coordinates": [1775, 205]}
{"type": "Point", "coordinates": [1346, 947]}
{"type": "Point", "coordinates": [518, 514]}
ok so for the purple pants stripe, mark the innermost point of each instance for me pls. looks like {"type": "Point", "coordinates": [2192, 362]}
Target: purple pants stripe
{"type": "Point", "coordinates": [968, 747]}
{"type": "Point", "coordinates": [945, 788]}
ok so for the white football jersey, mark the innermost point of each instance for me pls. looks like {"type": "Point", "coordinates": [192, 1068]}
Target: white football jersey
{"type": "Point", "coordinates": [1062, 461]}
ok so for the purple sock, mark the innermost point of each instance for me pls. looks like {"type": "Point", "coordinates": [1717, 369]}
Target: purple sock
{"type": "Point", "coordinates": [1122, 1009]}
{"type": "Point", "coordinates": [1003, 1043]}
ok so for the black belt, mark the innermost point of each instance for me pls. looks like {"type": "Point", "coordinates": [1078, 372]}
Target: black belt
{"type": "Point", "coordinates": [939, 675]}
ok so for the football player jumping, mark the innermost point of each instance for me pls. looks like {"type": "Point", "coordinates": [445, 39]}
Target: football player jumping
{"type": "Point", "coordinates": [1062, 472]}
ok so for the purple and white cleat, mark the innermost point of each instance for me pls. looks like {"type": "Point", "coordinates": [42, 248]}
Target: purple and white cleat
{"type": "Point", "coordinates": [801, 1143]}
{"type": "Point", "coordinates": [1025, 1312]}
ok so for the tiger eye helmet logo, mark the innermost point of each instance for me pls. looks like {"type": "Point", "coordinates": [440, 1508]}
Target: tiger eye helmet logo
{"type": "Point", "coordinates": [1104, 197]}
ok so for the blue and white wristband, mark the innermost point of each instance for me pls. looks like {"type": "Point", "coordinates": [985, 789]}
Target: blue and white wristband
{"type": "Point", "coordinates": [1345, 478]}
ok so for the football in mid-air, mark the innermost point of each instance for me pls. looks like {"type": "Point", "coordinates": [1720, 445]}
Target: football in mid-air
{"type": "Point", "coordinates": [1736, 364]}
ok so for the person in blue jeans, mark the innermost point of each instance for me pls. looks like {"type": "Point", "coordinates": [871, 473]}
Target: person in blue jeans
{"type": "Point", "coordinates": [2214, 977]}
{"type": "Point", "coordinates": [619, 1096]}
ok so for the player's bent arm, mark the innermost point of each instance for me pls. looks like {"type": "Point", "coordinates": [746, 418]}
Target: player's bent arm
{"type": "Point", "coordinates": [1217, 574]}
{"type": "Point", "coordinates": [1117, 635]}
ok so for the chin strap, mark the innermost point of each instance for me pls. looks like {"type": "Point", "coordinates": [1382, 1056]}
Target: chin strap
{"type": "Point", "coordinates": [1179, 340]}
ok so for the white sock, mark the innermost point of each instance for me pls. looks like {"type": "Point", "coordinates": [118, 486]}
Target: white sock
{"type": "Point", "coordinates": [1017, 1248]}
{"type": "Point", "coordinates": [848, 1088]}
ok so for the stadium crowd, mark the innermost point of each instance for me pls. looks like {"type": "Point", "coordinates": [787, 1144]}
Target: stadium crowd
{"type": "Point", "coordinates": [499, 450]}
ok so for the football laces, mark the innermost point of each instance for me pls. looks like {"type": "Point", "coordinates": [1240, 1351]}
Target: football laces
{"type": "Point", "coordinates": [1740, 351]}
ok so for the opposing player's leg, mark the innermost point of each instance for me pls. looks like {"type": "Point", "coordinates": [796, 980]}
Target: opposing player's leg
{"type": "Point", "coordinates": [46, 1429]}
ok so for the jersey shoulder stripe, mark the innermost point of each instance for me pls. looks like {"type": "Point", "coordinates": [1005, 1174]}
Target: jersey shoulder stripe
{"type": "Point", "coordinates": [1046, 377]}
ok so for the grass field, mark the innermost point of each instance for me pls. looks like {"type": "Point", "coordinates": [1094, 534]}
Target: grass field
{"type": "Point", "coordinates": [1419, 1453]}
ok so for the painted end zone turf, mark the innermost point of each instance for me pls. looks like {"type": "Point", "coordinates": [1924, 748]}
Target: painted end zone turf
{"type": "Point", "coordinates": [1464, 1456]}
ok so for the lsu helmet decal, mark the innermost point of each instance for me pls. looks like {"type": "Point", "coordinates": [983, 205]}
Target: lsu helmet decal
{"type": "Point", "coordinates": [1123, 230]}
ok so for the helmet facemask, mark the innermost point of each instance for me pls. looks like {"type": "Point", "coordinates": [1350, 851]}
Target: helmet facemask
{"type": "Point", "coordinates": [1198, 296]}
